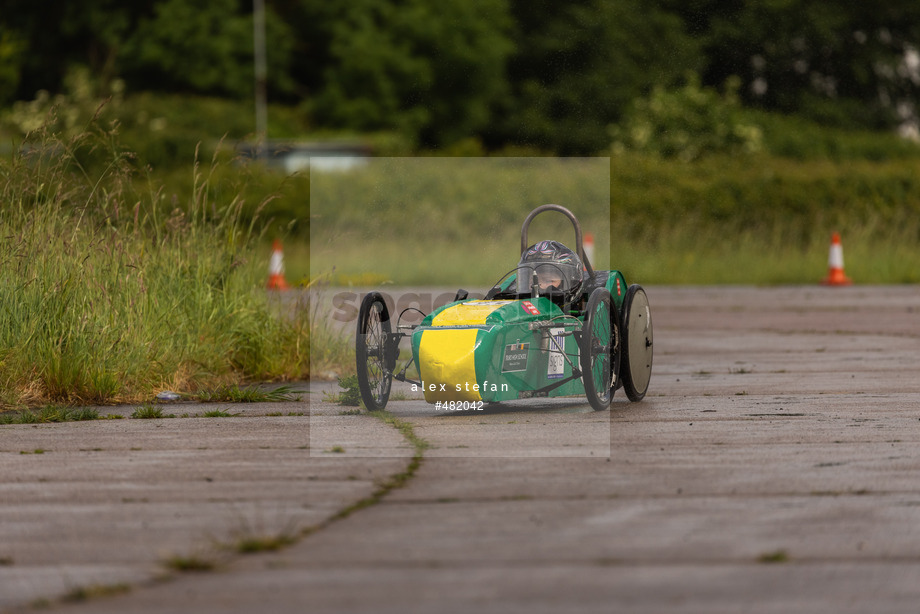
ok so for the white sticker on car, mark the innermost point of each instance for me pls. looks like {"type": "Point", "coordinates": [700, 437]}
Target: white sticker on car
{"type": "Point", "coordinates": [556, 356]}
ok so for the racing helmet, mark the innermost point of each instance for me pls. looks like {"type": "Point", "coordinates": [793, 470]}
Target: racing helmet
{"type": "Point", "coordinates": [558, 268]}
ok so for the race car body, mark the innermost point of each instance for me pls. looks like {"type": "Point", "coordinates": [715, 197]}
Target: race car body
{"type": "Point", "coordinates": [498, 350]}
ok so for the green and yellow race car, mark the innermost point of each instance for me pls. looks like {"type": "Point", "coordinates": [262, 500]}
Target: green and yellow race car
{"type": "Point", "coordinates": [551, 327]}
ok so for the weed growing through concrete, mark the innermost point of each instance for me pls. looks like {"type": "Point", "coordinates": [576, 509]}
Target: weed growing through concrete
{"type": "Point", "coordinates": [23, 417]}
{"type": "Point", "coordinates": [218, 413]}
{"type": "Point", "coordinates": [84, 593]}
{"type": "Point", "coordinates": [250, 394]}
{"type": "Point", "coordinates": [11, 417]}
{"type": "Point", "coordinates": [249, 542]}
{"type": "Point", "coordinates": [149, 412]}
{"type": "Point", "coordinates": [777, 556]}
{"type": "Point", "coordinates": [395, 481]}
{"type": "Point", "coordinates": [351, 395]}
{"type": "Point", "coordinates": [84, 413]}
{"type": "Point", "coordinates": [50, 413]}
{"type": "Point", "coordinates": [191, 562]}
{"type": "Point", "coordinates": [263, 543]}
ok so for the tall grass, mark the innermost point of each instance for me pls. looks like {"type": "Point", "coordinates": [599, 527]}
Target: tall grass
{"type": "Point", "coordinates": [332, 349]}
{"type": "Point", "coordinates": [109, 290]}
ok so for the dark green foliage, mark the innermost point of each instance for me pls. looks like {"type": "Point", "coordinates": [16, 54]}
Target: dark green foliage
{"type": "Point", "coordinates": [839, 63]}
{"type": "Point", "coordinates": [50, 37]}
{"type": "Point", "coordinates": [203, 46]}
{"type": "Point", "coordinates": [430, 70]}
{"type": "Point", "coordinates": [12, 49]}
{"type": "Point", "coordinates": [578, 64]}
{"type": "Point", "coordinates": [465, 76]}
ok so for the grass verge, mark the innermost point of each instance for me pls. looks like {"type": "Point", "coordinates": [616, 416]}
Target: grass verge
{"type": "Point", "coordinates": [757, 219]}
{"type": "Point", "coordinates": [110, 288]}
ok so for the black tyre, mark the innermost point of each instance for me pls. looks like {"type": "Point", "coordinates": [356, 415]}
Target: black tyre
{"type": "Point", "coordinates": [637, 343]}
{"type": "Point", "coordinates": [372, 352]}
{"type": "Point", "coordinates": [600, 351]}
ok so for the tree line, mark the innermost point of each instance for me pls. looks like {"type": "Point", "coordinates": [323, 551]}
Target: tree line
{"type": "Point", "coordinates": [545, 74]}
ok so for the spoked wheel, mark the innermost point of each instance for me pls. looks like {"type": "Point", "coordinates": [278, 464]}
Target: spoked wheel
{"type": "Point", "coordinates": [375, 369]}
{"type": "Point", "coordinates": [637, 343]}
{"type": "Point", "coordinates": [600, 351]}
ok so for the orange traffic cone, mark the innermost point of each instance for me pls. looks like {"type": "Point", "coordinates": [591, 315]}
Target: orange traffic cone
{"type": "Point", "coordinates": [589, 248]}
{"type": "Point", "coordinates": [276, 268]}
{"type": "Point", "coordinates": [835, 275]}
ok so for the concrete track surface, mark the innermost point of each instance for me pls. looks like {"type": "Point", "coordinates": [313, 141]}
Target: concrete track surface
{"type": "Point", "coordinates": [773, 467]}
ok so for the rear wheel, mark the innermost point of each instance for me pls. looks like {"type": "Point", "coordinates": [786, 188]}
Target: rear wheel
{"type": "Point", "coordinates": [600, 352]}
{"type": "Point", "coordinates": [375, 373]}
{"type": "Point", "coordinates": [637, 343]}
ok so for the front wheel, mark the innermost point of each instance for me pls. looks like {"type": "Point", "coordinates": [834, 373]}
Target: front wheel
{"type": "Point", "coordinates": [375, 373]}
{"type": "Point", "coordinates": [600, 351]}
{"type": "Point", "coordinates": [637, 345]}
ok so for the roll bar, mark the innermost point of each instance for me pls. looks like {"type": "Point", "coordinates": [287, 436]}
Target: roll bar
{"type": "Point", "coordinates": [579, 247]}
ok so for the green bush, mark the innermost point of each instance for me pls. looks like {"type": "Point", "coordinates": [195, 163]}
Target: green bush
{"type": "Point", "coordinates": [687, 123]}
{"type": "Point", "coordinates": [796, 138]}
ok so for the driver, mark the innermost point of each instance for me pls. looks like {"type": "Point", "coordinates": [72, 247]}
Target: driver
{"type": "Point", "coordinates": [549, 280]}
{"type": "Point", "coordinates": [558, 268]}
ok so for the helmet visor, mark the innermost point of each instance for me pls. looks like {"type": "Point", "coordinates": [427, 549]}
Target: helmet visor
{"type": "Point", "coordinates": [550, 277]}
